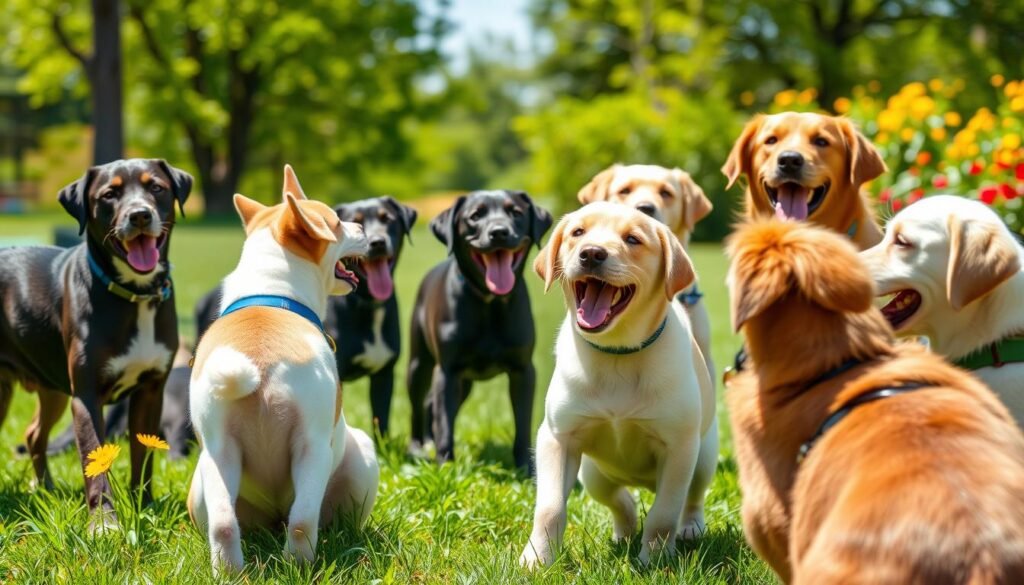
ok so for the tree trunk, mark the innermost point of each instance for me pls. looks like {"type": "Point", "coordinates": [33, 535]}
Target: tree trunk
{"type": "Point", "coordinates": [104, 70]}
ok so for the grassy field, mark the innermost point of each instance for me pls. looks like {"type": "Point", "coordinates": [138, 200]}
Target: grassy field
{"type": "Point", "coordinates": [463, 522]}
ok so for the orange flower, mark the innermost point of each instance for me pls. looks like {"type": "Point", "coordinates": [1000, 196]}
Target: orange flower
{"type": "Point", "coordinates": [152, 442]}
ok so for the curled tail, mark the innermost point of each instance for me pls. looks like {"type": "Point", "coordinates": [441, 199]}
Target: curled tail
{"type": "Point", "coordinates": [230, 374]}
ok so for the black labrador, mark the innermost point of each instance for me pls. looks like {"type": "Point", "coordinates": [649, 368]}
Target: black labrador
{"type": "Point", "coordinates": [96, 323]}
{"type": "Point", "coordinates": [472, 319]}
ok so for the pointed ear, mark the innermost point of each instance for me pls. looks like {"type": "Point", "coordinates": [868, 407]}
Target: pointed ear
{"type": "Point", "coordinates": [181, 183]}
{"type": "Point", "coordinates": [862, 158]}
{"type": "Point", "coordinates": [547, 264]}
{"type": "Point", "coordinates": [407, 215]}
{"type": "Point", "coordinates": [291, 183]}
{"type": "Point", "coordinates": [75, 198]}
{"type": "Point", "coordinates": [980, 259]}
{"type": "Point", "coordinates": [597, 188]}
{"type": "Point", "coordinates": [698, 206]}
{"type": "Point", "coordinates": [739, 162]}
{"type": "Point", "coordinates": [679, 272]}
{"type": "Point", "coordinates": [247, 210]}
{"type": "Point", "coordinates": [445, 225]}
{"type": "Point", "coordinates": [314, 225]}
{"type": "Point", "coordinates": [540, 219]}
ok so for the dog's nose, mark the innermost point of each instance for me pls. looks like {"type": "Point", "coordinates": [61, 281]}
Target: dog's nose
{"type": "Point", "coordinates": [647, 208]}
{"type": "Point", "coordinates": [378, 244]}
{"type": "Point", "coordinates": [499, 232]}
{"type": "Point", "coordinates": [593, 256]}
{"type": "Point", "coordinates": [791, 161]}
{"type": "Point", "coordinates": [140, 218]}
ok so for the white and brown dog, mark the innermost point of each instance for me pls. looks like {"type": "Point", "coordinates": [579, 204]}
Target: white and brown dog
{"type": "Point", "coordinates": [265, 397]}
{"type": "Point", "coordinates": [957, 276]}
{"type": "Point", "coordinates": [630, 402]}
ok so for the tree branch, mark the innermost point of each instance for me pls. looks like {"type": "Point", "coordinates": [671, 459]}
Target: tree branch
{"type": "Point", "coordinates": [147, 33]}
{"type": "Point", "coordinates": [62, 38]}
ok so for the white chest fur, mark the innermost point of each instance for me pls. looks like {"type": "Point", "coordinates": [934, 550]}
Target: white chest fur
{"type": "Point", "coordinates": [144, 353]}
{"type": "Point", "coordinates": [376, 354]}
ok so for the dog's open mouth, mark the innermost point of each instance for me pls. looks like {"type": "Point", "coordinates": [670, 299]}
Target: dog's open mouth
{"type": "Point", "coordinates": [598, 302]}
{"type": "Point", "coordinates": [499, 268]}
{"type": "Point", "coordinates": [142, 252]}
{"type": "Point", "coordinates": [795, 201]}
{"type": "Point", "coordinates": [901, 307]}
{"type": "Point", "coordinates": [342, 273]}
{"type": "Point", "coordinates": [377, 272]}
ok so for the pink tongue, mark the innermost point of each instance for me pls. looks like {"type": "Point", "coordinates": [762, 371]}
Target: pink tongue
{"type": "Point", "coordinates": [596, 304]}
{"type": "Point", "coordinates": [142, 253]}
{"type": "Point", "coordinates": [792, 202]}
{"type": "Point", "coordinates": [498, 271]}
{"type": "Point", "coordinates": [378, 278]}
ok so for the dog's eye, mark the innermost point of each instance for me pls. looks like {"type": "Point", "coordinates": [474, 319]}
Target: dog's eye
{"type": "Point", "coordinates": [109, 194]}
{"type": "Point", "coordinates": [156, 188]}
{"type": "Point", "coordinates": [771, 140]}
{"type": "Point", "coordinates": [515, 211]}
{"type": "Point", "coordinates": [624, 191]}
{"type": "Point", "coordinates": [902, 242]}
{"type": "Point", "coordinates": [665, 194]}
{"type": "Point", "coordinates": [477, 214]}
{"type": "Point", "coordinates": [578, 232]}
{"type": "Point", "coordinates": [384, 218]}
{"type": "Point", "coordinates": [632, 240]}
{"type": "Point", "coordinates": [819, 141]}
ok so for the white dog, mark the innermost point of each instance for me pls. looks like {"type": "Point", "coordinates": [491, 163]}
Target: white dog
{"type": "Point", "coordinates": [265, 398]}
{"type": "Point", "coordinates": [630, 402]}
{"type": "Point", "coordinates": [958, 278]}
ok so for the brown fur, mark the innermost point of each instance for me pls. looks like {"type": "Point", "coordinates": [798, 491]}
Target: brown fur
{"type": "Point", "coordinates": [849, 161]}
{"type": "Point", "coordinates": [925, 487]}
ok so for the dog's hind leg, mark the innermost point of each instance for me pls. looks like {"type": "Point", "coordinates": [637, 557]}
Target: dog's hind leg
{"type": "Point", "coordinates": [352, 489]}
{"type": "Point", "coordinates": [445, 396]}
{"type": "Point", "coordinates": [521, 385]}
{"type": "Point", "coordinates": [612, 495]}
{"type": "Point", "coordinates": [381, 387]}
{"type": "Point", "coordinates": [312, 461]}
{"type": "Point", "coordinates": [6, 394]}
{"type": "Point", "coordinates": [52, 405]}
{"type": "Point", "coordinates": [418, 380]}
{"type": "Point", "coordinates": [692, 522]}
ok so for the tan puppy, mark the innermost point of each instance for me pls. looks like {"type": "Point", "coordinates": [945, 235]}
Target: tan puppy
{"type": "Point", "coordinates": [265, 398]}
{"type": "Point", "coordinates": [807, 166]}
{"type": "Point", "coordinates": [957, 274]}
{"type": "Point", "coordinates": [922, 480]}
{"type": "Point", "coordinates": [673, 198]}
{"type": "Point", "coordinates": [630, 402]}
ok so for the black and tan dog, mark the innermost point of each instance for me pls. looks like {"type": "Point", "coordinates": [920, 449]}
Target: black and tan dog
{"type": "Point", "coordinates": [96, 322]}
{"type": "Point", "coordinates": [472, 319]}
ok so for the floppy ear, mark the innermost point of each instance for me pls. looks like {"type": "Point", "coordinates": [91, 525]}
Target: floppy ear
{"type": "Point", "coordinates": [698, 206]}
{"type": "Point", "coordinates": [407, 215]}
{"type": "Point", "coordinates": [540, 219]}
{"type": "Point", "coordinates": [75, 198]}
{"type": "Point", "coordinates": [980, 259]}
{"type": "Point", "coordinates": [679, 272]}
{"type": "Point", "coordinates": [833, 276]}
{"type": "Point", "coordinates": [291, 183]}
{"type": "Point", "coordinates": [314, 225]}
{"type": "Point", "coordinates": [247, 209]}
{"type": "Point", "coordinates": [738, 162]}
{"type": "Point", "coordinates": [597, 188]}
{"type": "Point", "coordinates": [546, 264]}
{"type": "Point", "coordinates": [445, 225]}
{"type": "Point", "coordinates": [181, 183]}
{"type": "Point", "coordinates": [863, 159]}
{"type": "Point", "coordinates": [754, 287]}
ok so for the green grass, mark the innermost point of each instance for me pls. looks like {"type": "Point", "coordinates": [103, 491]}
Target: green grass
{"type": "Point", "coordinates": [462, 522]}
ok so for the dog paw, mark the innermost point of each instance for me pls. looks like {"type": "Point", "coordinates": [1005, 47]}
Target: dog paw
{"type": "Point", "coordinates": [301, 546]}
{"type": "Point", "coordinates": [418, 450]}
{"type": "Point", "coordinates": [226, 563]}
{"type": "Point", "coordinates": [692, 528]}
{"type": "Point", "coordinates": [102, 522]}
{"type": "Point", "coordinates": [531, 559]}
{"type": "Point", "coordinates": [656, 549]}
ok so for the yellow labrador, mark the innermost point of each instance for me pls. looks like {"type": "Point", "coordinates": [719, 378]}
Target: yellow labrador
{"type": "Point", "coordinates": [630, 402]}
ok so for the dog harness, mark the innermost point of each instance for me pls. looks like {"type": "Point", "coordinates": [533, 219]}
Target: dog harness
{"type": "Point", "coordinates": [996, 355]}
{"type": "Point", "coordinates": [279, 302]}
{"type": "Point", "coordinates": [690, 298]}
{"type": "Point", "coordinates": [628, 349]}
{"type": "Point", "coordinates": [117, 290]}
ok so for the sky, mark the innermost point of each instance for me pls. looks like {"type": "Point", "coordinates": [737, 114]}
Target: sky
{"type": "Point", "coordinates": [473, 19]}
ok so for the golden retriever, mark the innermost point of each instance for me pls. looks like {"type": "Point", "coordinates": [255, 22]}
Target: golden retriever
{"type": "Point", "coordinates": [957, 276]}
{"type": "Point", "coordinates": [922, 480]}
{"type": "Point", "coordinates": [807, 166]}
{"type": "Point", "coordinates": [630, 402]}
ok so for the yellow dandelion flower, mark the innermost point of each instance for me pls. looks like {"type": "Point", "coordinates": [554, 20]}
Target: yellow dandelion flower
{"type": "Point", "coordinates": [997, 80]}
{"type": "Point", "coordinates": [936, 85]}
{"type": "Point", "coordinates": [747, 98]}
{"type": "Point", "coordinates": [913, 89]}
{"type": "Point", "coordinates": [890, 120]}
{"type": "Point", "coordinates": [807, 96]}
{"type": "Point", "coordinates": [785, 98]}
{"type": "Point", "coordinates": [952, 119]}
{"type": "Point", "coordinates": [907, 134]}
{"type": "Point", "coordinates": [152, 442]}
{"type": "Point", "coordinates": [1012, 88]}
{"type": "Point", "coordinates": [101, 459]}
{"type": "Point", "coordinates": [938, 134]}
{"type": "Point", "coordinates": [1011, 141]}
{"type": "Point", "coordinates": [973, 150]}
{"type": "Point", "coordinates": [953, 151]}
{"type": "Point", "coordinates": [874, 86]}
{"type": "Point", "coordinates": [842, 105]}
{"type": "Point", "coordinates": [1017, 104]}
{"type": "Point", "coordinates": [882, 137]}
{"type": "Point", "coordinates": [921, 107]}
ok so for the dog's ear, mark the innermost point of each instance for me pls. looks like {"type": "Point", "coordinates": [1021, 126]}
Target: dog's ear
{"type": "Point", "coordinates": [407, 215]}
{"type": "Point", "coordinates": [445, 225]}
{"type": "Point", "coordinates": [862, 158]}
{"type": "Point", "coordinates": [697, 205]}
{"type": "Point", "coordinates": [738, 162]}
{"type": "Point", "coordinates": [75, 198]}
{"type": "Point", "coordinates": [181, 183]}
{"type": "Point", "coordinates": [313, 224]}
{"type": "Point", "coordinates": [829, 272]}
{"type": "Point", "coordinates": [980, 259]}
{"type": "Point", "coordinates": [540, 219]}
{"type": "Point", "coordinates": [546, 264]}
{"type": "Point", "coordinates": [291, 183]}
{"type": "Point", "coordinates": [247, 210]}
{"type": "Point", "coordinates": [679, 272]}
{"type": "Point", "coordinates": [597, 188]}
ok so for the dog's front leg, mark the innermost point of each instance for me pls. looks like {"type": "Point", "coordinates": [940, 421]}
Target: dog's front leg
{"type": "Point", "coordinates": [87, 417]}
{"type": "Point", "coordinates": [144, 408]}
{"type": "Point", "coordinates": [521, 384]}
{"type": "Point", "coordinates": [382, 385]}
{"type": "Point", "coordinates": [674, 480]}
{"type": "Point", "coordinates": [557, 467]}
{"type": "Point", "coordinates": [446, 398]}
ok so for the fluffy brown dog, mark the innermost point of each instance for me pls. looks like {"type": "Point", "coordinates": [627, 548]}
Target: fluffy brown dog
{"type": "Point", "coordinates": [807, 166]}
{"type": "Point", "coordinates": [922, 480]}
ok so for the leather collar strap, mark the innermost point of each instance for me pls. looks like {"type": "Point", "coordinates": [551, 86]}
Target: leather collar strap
{"type": "Point", "coordinates": [995, 355]}
{"type": "Point", "coordinates": [279, 302]}
{"type": "Point", "coordinates": [690, 298]}
{"type": "Point", "coordinates": [132, 297]}
{"type": "Point", "coordinates": [853, 229]}
{"type": "Point", "coordinates": [628, 349]}
{"type": "Point", "coordinates": [860, 400]}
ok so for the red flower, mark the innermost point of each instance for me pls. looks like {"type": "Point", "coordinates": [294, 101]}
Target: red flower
{"type": "Point", "coordinates": [915, 196]}
{"type": "Point", "coordinates": [1007, 191]}
{"type": "Point", "coordinates": [886, 195]}
{"type": "Point", "coordinates": [988, 195]}
{"type": "Point", "coordinates": [1020, 172]}
{"type": "Point", "coordinates": [897, 205]}
{"type": "Point", "coordinates": [976, 168]}
{"type": "Point", "coordinates": [914, 171]}
{"type": "Point", "coordinates": [940, 181]}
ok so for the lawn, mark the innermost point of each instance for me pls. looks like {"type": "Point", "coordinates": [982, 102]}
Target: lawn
{"type": "Point", "coordinates": [464, 522]}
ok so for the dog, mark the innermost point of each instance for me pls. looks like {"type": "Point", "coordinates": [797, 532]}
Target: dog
{"type": "Point", "coordinates": [806, 166]}
{"type": "Point", "coordinates": [957, 274]}
{"type": "Point", "coordinates": [472, 319]}
{"type": "Point", "coordinates": [861, 461]}
{"type": "Point", "coordinates": [265, 396]}
{"type": "Point", "coordinates": [96, 323]}
{"type": "Point", "coordinates": [673, 198]}
{"type": "Point", "coordinates": [630, 402]}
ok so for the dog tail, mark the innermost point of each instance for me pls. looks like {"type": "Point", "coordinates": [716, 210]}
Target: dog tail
{"type": "Point", "coordinates": [230, 374]}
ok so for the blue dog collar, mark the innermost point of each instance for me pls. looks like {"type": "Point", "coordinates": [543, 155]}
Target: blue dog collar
{"type": "Point", "coordinates": [628, 349]}
{"type": "Point", "coordinates": [691, 298]}
{"type": "Point", "coordinates": [116, 289]}
{"type": "Point", "coordinates": [279, 302]}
